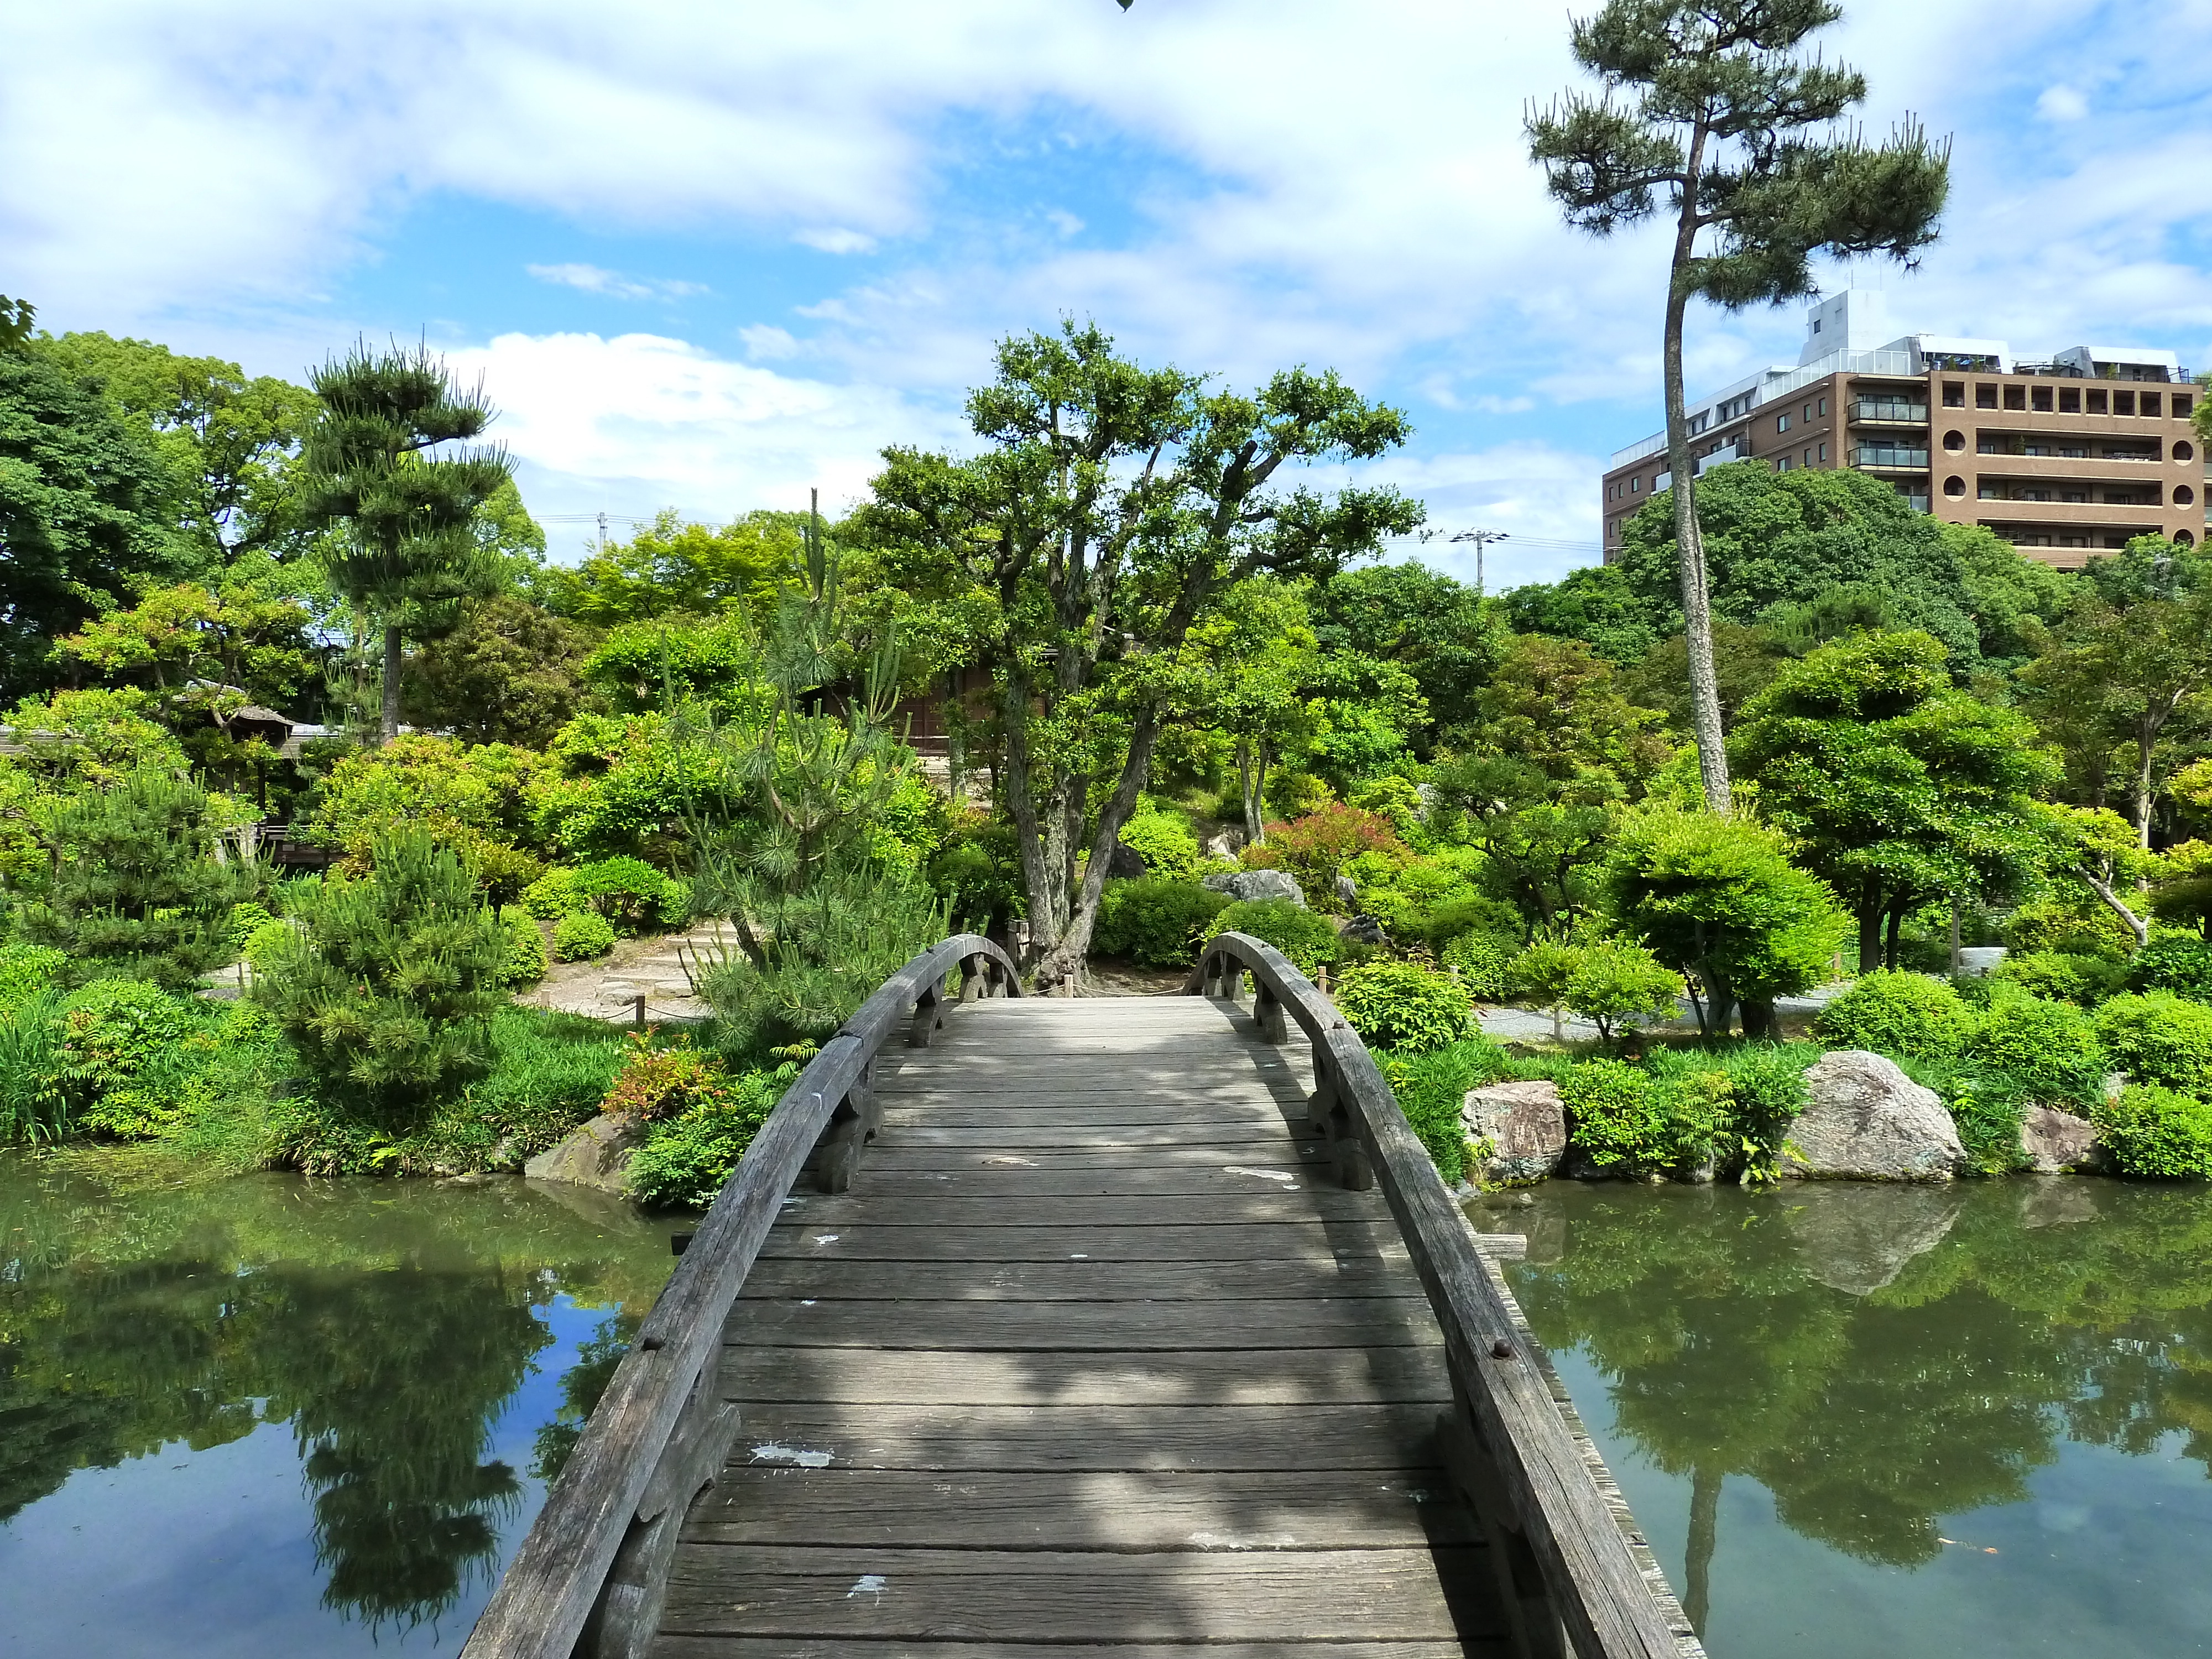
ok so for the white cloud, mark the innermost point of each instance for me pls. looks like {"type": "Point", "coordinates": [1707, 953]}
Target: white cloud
{"type": "Point", "coordinates": [639, 422]}
{"type": "Point", "coordinates": [2061, 104]}
{"type": "Point", "coordinates": [835, 241]}
{"type": "Point", "coordinates": [595, 280]}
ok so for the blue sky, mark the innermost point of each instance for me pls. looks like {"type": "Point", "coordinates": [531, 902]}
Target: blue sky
{"type": "Point", "coordinates": [706, 256]}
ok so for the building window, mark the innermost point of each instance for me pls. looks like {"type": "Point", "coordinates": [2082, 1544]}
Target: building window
{"type": "Point", "coordinates": [2184, 452]}
{"type": "Point", "coordinates": [2150, 403]}
{"type": "Point", "coordinates": [1954, 394]}
{"type": "Point", "coordinates": [1782, 423]}
{"type": "Point", "coordinates": [2123, 402]}
{"type": "Point", "coordinates": [2183, 494]}
{"type": "Point", "coordinates": [1954, 441]}
{"type": "Point", "coordinates": [2096, 402]}
{"type": "Point", "coordinates": [2015, 397]}
{"type": "Point", "coordinates": [1986, 397]}
{"type": "Point", "coordinates": [2184, 539]}
{"type": "Point", "coordinates": [1635, 486]}
{"type": "Point", "coordinates": [1808, 456]}
{"type": "Point", "coordinates": [1824, 407]}
{"type": "Point", "coordinates": [1955, 486]}
{"type": "Point", "coordinates": [2042, 400]}
{"type": "Point", "coordinates": [2181, 404]}
{"type": "Point", "coordinates": [2070, 401]}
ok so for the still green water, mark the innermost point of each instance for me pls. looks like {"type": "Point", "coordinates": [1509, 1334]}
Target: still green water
{"type": "Point", "coordinates": [269, 1416]}
{"type": "Point", "coordinates": [1911, 1421]}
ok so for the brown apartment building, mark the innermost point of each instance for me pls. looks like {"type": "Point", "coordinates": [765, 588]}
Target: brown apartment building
{"type": "Point", "coordinates": [2063, 456]}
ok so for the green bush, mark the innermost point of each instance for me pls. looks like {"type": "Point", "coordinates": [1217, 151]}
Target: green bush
{"type": "Point", "coordinates": [581, 936]}
{"type": "Point", "coordinates": [386, 990]}
{"type": "Point", "coordinates": [1899, 1012]}
{"type": "Point", "coordinates": [1165, 841]}
{"type": "Point", "coordinates": [688, 1159]}
{"type": "Point", "coordinates": [1156, 920]}
{"type": "Point", "coordinates": [113, 1027]}
{"type": "Point", "coordinates": [1403, 1006]}
{"type": "Point", "coordinates": [2049, 1048]}
{"type": "Point", "coordinates": [1766, 1091]}
{"type": "Point", "coordinates": [554, 894]}
{"type": "Point", "coordinates": [27, 970]}
{"type": "Point", "coordinates": [2069, 975]}
{"type": "Point", "coordinates": [525, 962]}
{"type": "Point", "coordinates": [633, 896]}
{"type": "Point", "coordinates": [35, 1104]}
{"type": "Point", "coordinates": [246, 920]}
{"type": "Point", "coordinates": [1543, 973]}
{"type": "Point", "coordinates": [2160, 1038]}
{"type": "Point", "coordinates": [1484, 962]}
{"type": "Point", "coordinates": [1629, 1120]}
{"type": "Point", "coordinates": [2157, 1133]}
{"type": "Point", "coordinates": [1986, 1106]}
{"type": "Point", "coordinates": [1431, 1088]}
{"type": "Point", "coordinates": [1308, 940]}
{"type": "Point", "coordinates": [267, 939]}
{"type": "Point", "coordinates": [1616, 981]}
{"type": "Point", "coordinates": [2179, 963]}
{"type": "Point", "coordinates": [549, 1073]}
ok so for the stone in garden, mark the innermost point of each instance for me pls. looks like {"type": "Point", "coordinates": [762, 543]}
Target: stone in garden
{"type": "Point", "coordinates": [1857, 1239]}
{"type": "Point", "coordinates": [596, 1155]}
{"type": "Point", "coordinates": [1226, 845]}
{"type": "Point", "coordinates": [1525, 1123]}
{"type": "Point", "coordinates": [2057, 1141]}
{"type": "Point", "coordinates": [1864, 1120]}
{"type": "Point", "coordinates": [1362, 930]}
{"type": "Point", "coordinates": [1347, 891]}
{"type": "Point", "coordinates": [1246, 884]}
{"type": "Point", "coordinates": [1980, 961]}
{"type": "Point", "coordinates": [1124, 863]}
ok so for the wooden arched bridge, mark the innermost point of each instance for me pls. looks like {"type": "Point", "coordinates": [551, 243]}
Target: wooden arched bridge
{"type": "Point", "coordinates": [1085, 1325]}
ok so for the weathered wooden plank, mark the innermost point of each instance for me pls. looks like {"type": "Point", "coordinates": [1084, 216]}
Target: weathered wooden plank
{"type": "Point", "coordinates": [670, 1646]}
{"type": "Point", "coordinates": [1295, 1508]}
{"type": "Point", "coordinates": [1261, 1202]}
{"type": "Point", "coordinates": [1074, 1088]}
{"type": "Point", "coordinates": [1231, 1173]}
{"type": "Point", "coordinates": [965, 1111]}
{"type": "Point", "coordinates": [891, 1155]}
{"type": "Point", "coordinates": [1236, 1376]}
{"type": "Point", "coordinates": [1077, 1276]}
{"type": "Point", "coordinates": [1341, 1322]}
{"type": "Point", "coordinates": [867, 1236]}
{"type": "Point", "coordinates": [1220, 1439]}
{"type": "Point", "coordinates": [912, 1132]}
{"type": "Point", "coordinates": [1049, 1597]}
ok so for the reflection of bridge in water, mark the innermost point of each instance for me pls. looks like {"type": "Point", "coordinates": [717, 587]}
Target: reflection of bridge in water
{"type": "Point", "coordinates": [1103, 1325]}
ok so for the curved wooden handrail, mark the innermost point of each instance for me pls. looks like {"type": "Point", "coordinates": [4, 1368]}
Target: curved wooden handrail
{"type": "Point", "coordinates": [657, 1433]}
{"type": "Point", "coordinates": [1593, 1584]}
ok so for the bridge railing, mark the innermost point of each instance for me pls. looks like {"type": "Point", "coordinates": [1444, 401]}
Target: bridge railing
{"type": "Point", "coordinates": [590, 1577]}
{"type": "Point", "coordinates": [1569, 1581]}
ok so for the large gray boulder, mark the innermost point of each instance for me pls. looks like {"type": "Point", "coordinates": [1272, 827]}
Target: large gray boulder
{"type": "Point", "coordinates": [1258, 885]}
{"type": "Point", "coordinates": [1526, 1124]}
{"type": "Point", "coordinates": [1858, 1240]}
{"type": "Point", "coordinates": [2057, 1142]}
{"type": "Point", "coordinates": [1864, 1120]}
{"type": "Point", "coordinates": [595, 1155]}
{"type": "Point", "coordinates": [1126, 863]}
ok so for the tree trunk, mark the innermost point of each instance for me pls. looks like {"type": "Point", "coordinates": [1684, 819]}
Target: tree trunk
{"type": "Point", "coordinates": [1760, 1023]}
{"type": "Point", "coordinates": [391, 684]}
{"type": "Point", "coordinates": [1068, 950]}
{"type": "Point", "coordinates": [1251, 778]}
{"type": "Point", "coordinates": [1689, 542]}
{"type": "Point", "coordinates": [2146, 750]}
{"type": "Point", "coordinates": [1869, 928]}
{"type": "Point", "coordinates": [1041, 880]}
{"type": "Point", "coordinates": [1896, 927]}
{"type": "Point", "coordinates": [1704, 1535]}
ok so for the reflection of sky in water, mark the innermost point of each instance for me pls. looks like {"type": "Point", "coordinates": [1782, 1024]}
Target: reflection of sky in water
{"type": "Point", "coordinates": [194, 1554]}
{"type": "Point", "coordinates": [2107, 1554]}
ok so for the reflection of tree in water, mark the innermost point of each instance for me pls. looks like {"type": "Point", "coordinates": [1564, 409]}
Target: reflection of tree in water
{"type": "Point", "coordinates": [1939, 1389]}
{"type": "Point", "coordinates": [580, 1388]}
{"type": "Point", "coordinates": [391, 1369]}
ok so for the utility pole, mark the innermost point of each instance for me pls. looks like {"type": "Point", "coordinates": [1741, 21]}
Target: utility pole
{"type": "Point", "coordinates": [1481, 538]}
{"type": "Point", "coordinates": [602, 535]}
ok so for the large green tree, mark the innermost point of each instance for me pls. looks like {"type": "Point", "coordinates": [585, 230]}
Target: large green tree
{"type": "Point", "coordinates": [1111, 508]}
{"type": "Point", "coordinates": [1438, 630]}
{"type": "Point", "coordinates": [1723, 120]}
{"type": "Point", "coordinates": [1898, 788]}
{"type": "Point", "coordinates": [409, 547]}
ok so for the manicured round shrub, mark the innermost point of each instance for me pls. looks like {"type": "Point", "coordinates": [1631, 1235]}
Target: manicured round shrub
{"type": "Point", "coordinates": [2049, 1048]}
{"type": "Point", "coordinates": [525, 962]}
{"type": "Point", "coordinates": [1165, 841]}
{"type": "Point", "coordinates": [1484, 962]}
{"type": "Point", "coordinates": [2179, 963]}
{"type": "Point", "coordinates": [2159, 1037]}
{"type": "Point", "coordinates": [553, 895]}
{"type": "Point", "coordinates": [580, 937]}
{"type": "Point", "coordinates": [1156, 920]}
{"type": "Point", "coordinates": [268, 938]}
{"type": "Point", "coordinates": [2069, 975]}
{"type": "Point", "coordinates": [1618, 982]}
{"type": "Point", "coordinates": [1309, 940]}
{"type": "Point", "coordinates": [1899, 1012]}
{"type": "Point", "coordinates": [1628, 1120]}
{"type": "Point", "coordinates": [2158, 1135]}
{"type": "Point", "coordinates": [1404, 1006]}
{"type": "Point", "coordinates": [633, 896]}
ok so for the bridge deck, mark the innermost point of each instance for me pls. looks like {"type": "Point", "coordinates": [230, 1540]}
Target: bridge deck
{"type": "Point", "coordinates": [1084, 1361]}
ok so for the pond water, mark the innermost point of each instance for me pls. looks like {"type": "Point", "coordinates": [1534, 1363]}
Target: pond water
{"type": "Point", "coordinates": [270, 1416]}
{"type": "Point", "coordinates": [1856, 1420]}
